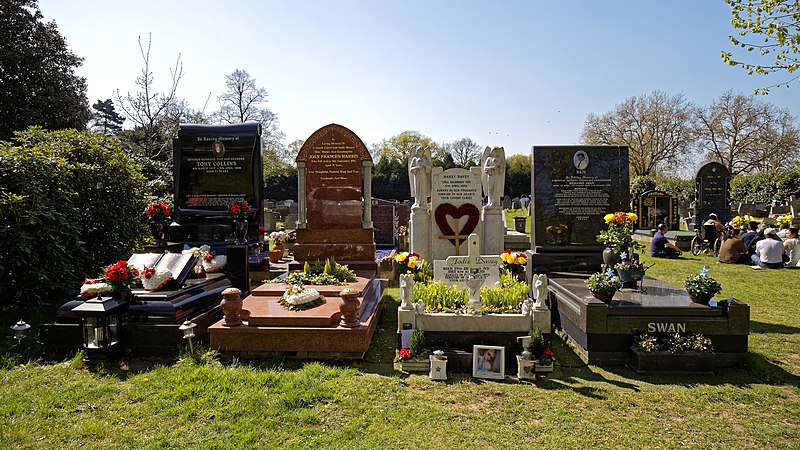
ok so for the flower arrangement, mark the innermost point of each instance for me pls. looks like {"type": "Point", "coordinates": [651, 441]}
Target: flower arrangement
{"type": "Point", "coordinates": [331, 274]}
{"type": "Point", "coordinates": [785, 219]}
{"type": "Point", "coordinates": [158, 210]}
{"type": "Point", "coordinates": [547, 357]}
{"type": "Point", "coordinates": [703, 284]}
{"type": "Point", "coordinates": [153, 280]}
{"type": "Point", "coordinates": [239, 210]}
{"type": "Point", "coordinates": [207, 260]}
{"type": "Point", "coordinates": [278, 237]}
{"type": "Point", "coordinates": [514, 263]}
{"type": "Point", "coordinates": [404, 354]}
{"type": "Point", "coordinates": [413, 264]}
{"type": "Point", "coordinates": [672, 342]}
{"type": "Point", "coordinates": [402, 231]}
{"type": "Point", "coordinates": [119, 276]}
{"type": "Point", "coordinates": [741, 220]}
{"type": "Point", "coordinates": [619, 235]}
{"type": "Point", "coordinates": [557, 234]}
{"type": "Point", "coordinates": [93, 287]}
{"type": "Point", "coordinates": [606, 281]}
{"type": "Point", "coordinates": [505, 298]}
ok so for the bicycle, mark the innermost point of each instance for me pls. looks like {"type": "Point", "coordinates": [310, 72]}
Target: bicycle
{"type": "Point", "coordinates": [701, 244]}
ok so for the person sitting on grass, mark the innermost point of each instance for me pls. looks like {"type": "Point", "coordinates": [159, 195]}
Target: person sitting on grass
{"type": "Point", "coordinates": [733, 251]}
{"type": "Point", "coordinates": [747, 238]}
{"type": "Point", "coordinates": [660, 247]}
{"type": "Point", "coordinates": [791, 246]}
{"type": "Point", "coordinates": [769, 251]}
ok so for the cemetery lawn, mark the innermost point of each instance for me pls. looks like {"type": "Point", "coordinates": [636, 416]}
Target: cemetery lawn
{"type": "Point", "coordinates": [273, 403]}
{"type": "Point", "coordinates": [511, 213]}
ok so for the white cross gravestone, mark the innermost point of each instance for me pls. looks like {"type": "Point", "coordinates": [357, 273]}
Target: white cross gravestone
{"type": "Point", "coordinates": [472, 271]}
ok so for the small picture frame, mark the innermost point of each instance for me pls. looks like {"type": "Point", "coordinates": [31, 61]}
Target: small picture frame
{"type": "Point", "coordinates": [488, 361]}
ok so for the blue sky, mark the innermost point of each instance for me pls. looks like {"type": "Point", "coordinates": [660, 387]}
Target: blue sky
{"type": "Point", "coordinates": [516, 73]}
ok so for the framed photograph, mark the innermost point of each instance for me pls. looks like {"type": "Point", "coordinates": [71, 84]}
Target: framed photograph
{"type": "Point", "coordinates": [488, 361]}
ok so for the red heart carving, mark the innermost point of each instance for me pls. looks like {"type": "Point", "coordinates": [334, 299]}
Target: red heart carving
{"type": "Point", "coordinates": [447, 209]}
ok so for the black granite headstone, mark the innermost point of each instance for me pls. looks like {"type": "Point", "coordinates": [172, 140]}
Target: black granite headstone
{"type": "Point", "coordinates": [712, 189]}
{"type": "Point", "coordinates": [574, 187]}
{"type": "Point", "coordinates": [655, 207]}
{"type": "Point", "coordinates": [214, 166]}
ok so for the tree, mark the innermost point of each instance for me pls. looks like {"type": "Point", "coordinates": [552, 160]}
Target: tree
{"type": "Point", "coordinates": [518, 175]}
{"type": "Point", "coordinates": [465, 152]}
{"type": "Point", "coordinates": [400, 145]}
{"type": "Point", "coordinates": [657, 128]}
{"type": "Point", "coordinates": [771, 29]}
{"type": "Point", "coordinates": [747, 135]}
{"type": "Point", "coordinates": [243, 101]}
{"type": "Point", "coordinates": [39, 86]}
{"type": "Point", "coordinates": [105, 119]}
{"type": "Point", "coordinates": [150, 111]}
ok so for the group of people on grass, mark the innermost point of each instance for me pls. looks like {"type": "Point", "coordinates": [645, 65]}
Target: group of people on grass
{"type": "Point", "coordinates": [760, 245]}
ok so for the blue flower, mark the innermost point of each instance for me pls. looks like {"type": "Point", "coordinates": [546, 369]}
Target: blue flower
{"type": "Point", "coordinates": [623, 255]}
{"type": "Point", "coordinates": [609, 273]}
{"type": "Point", "coordinates": [704, 271]}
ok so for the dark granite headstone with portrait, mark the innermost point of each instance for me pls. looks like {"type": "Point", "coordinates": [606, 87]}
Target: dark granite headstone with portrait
{"type": "Point", "coordinates": [655, 207]}
{"type": "Point", "coordinates": [573, 188]}
{"type": "Point", "coordinates": [214, 166]}
{"type": "Point", "coordinates": [712, 190]}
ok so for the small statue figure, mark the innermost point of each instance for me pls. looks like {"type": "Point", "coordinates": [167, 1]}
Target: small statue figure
{"type": "Point", "coordinates": [419, 174]}
{"type": "Point", "coordinates": [542, 291]}
{"type": "Point", "coordinates": [420, 307]}
{"type": "Point", "coordinates": [493, 168]}
{"type": "Point", "coordinates": [406, 291]}
{"type": "Point", "coordinates": [527, 307]}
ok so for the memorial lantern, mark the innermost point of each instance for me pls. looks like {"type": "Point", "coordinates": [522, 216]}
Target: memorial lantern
{"type": "Point", "coordinates": [20, 329]}
{"type": "Point", "coordinates": [438, 366]}
{"type": "Point", "coordinates": [101, 323]}
{"type": "Point", "coordinates": [188, 332]}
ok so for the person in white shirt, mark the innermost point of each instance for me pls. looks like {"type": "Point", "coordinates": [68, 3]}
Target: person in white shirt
{"type": "Point", "coordinates": [769, 251]}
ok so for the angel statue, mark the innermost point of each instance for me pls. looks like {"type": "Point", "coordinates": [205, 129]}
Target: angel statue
{"type": "Point", "coordinates": [493, 174]}
{"type": "Point", "coordinates": [419, 173]}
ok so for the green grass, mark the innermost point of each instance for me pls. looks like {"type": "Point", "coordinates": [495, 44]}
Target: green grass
{"type": "Point", "coordinates": [278, 403]}
{"type": "Point", "coordinates": [511, 213]}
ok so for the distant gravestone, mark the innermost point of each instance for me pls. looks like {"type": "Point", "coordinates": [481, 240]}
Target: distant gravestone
{"type": "Point", "coordinates": [385, 221]}
{"type": "Point", "coordinates": [334, 197]}
{"type": "Point", "coordinates": [269, 221]}
{"type": "Point", "coordinates": [455, 205]}
{"type": "Point", "coordinates": [712, 190]}
{"type": "Point", "coordinates": [655, 207]}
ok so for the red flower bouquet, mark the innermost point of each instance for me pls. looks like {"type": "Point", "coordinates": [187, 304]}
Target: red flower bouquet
{"type": "Point", "coordinates": [158, 210]}
{"type": "Point", "coordinates": [120, 276]}
{"type": "Point", "coordinates": [239, 209]}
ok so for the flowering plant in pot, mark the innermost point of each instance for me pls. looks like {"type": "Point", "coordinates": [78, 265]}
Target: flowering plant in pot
{"type": "Point", "coordinates": [701, 287]}
{"type": "Point", "coordinates": [278, 238]}
{"type": "Point", "coordinates": [603, 285]}
{"type": "Point", "coordinates": [514, 263]}
{"type": "Point", "coordinates": [121, 277]}
{"type": "Point", "coordinates": [158, 210]}
{"type": "Point", "coordinates": [413, 264]}
{"type": "Point", "coordinates": [629, 269]}
{"type": "Point", "coordinates": [741, 220]}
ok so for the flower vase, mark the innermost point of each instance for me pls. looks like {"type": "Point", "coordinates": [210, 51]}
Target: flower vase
{"type": "Point", "coordinates": [348, 308]}
{"type": "Point", "coordinates": [158, 227]}
{"type": "Point", "coordinates": [124, 293]}
{"type": "Point", "coordinates": [604, 296]}
{"type": "Point", "coordinates": [275, 255]}
{"type": "Point", "coordinates": [280, 247]}
{"type": "Point", "coordinates": [231, 306]}
{"type": "Point", "coordinates": [610, 258]}
{"type": "Point", "coordinates": [240, 231]}
{"type": "Point", "coordinates": [700, 297]}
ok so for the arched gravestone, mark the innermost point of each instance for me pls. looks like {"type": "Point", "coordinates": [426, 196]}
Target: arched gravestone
{"type": "Point", "coordinates": [712, 191]}
{"type": "Point", "coordinates": [334, 178]}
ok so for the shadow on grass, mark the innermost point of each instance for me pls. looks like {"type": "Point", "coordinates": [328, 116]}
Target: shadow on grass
{"type": "Point", "coordinates": [772, 328]}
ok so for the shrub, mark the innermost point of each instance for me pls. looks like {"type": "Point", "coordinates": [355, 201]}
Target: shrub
{"type": "Point", "coordinates": [641, 184]}
{"type": "Point", "coordinates": [766, 186]}
{"type": "Point", "coordinates": [70, 202]}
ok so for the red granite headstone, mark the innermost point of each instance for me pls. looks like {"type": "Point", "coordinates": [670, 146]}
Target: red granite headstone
{"type": "Point", "coordinates": [334, 202]}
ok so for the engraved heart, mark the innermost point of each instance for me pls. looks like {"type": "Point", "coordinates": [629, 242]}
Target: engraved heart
{"type": "Point", "coordinates": [447, 209]}
{"type": "Point", "coordinates": [527, 369]}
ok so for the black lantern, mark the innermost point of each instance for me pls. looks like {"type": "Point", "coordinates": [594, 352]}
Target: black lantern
{"type": "Point", "coordinates": [101, 323]}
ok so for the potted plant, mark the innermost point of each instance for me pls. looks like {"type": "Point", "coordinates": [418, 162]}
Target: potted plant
{"type": "Point", "coordinates": [603, 285]}
{"type": "Point", "coordinates": [557, 234]}
{"type": "Point", "coordinates": [701, 287]}
{"type": "Point", "coordinates": [629, 269]}
{"type": "Point", "coordinates": [514, 263]}
{"type": "Point", "coordinates": [120, 278]}
{"type": "Point", "coordinates": [239, 210]}
{"type": "Point", "coordinates": [618, 237]}
{"type": "Point", "coordinates": [671, 353]}
{"type": "Point", "coordinates": [413, 264]}
{"type": "Point", "coordinates": [158, 213]}
{"type": "Point", "coordinates": [544, 357]}
{"type": "Point", "coordinates": [415, 357]}
{"type": "Point", "coordinates": [277, 243]}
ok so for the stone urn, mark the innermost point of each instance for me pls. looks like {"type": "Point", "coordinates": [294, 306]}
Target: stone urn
{"type": "Point", "coordinates": [610, 259]}
{"type": "Point", "coordinates": [700, 297]}
{"type": "Point", "coordinates": [231, 305]}
{"type": "Point", "coordinates": [349, 308]}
